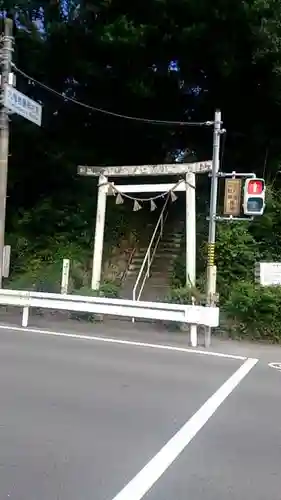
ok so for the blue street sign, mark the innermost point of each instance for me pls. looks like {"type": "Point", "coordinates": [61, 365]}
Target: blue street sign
{"type": "Point", "coordinates": [22, 105]}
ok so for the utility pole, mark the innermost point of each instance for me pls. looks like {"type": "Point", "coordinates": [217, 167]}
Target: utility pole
{"type": "Point", "coordinates": [211, 268]}
{"type": "Point", "coordinates": [6, 61]}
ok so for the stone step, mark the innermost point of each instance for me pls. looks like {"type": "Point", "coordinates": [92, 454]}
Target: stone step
{"type": "Point", "coordinates": [160, 265]}
{"type": "Point", "coordinates": [169, 246]}
{"type": "Point", "coordinates": [162, 247]}
{"type": "Point", "coordinates": [162, 243]}
{"type": "Point", "coordinates": [171, 238]}
{"type": "Point", "coordinates": [157, 274]}
{"type": "Point", "coordinates": [162, 291]}
{"type": "Point", "coordinates": [172, 235]}
{"type": "Point", "coordinates": [157, 286]}
{"type": "Point", "coordinates": [163, 255]}
{"type": "Point", "coordinates": [163, 269]}
{"type": "Point", "coordinates": [157, 281]}
{"type": "Point", "coordinates": [169, 242]}
{"type": "Point", "coordinates": [164, 259]}
{"type": "Point", "coordinates": [137, 260]}
{"type": "Point", "coordinates": [154, 275]}
{"type": "Point", "coordinates": [162, 262]}
{"type": "Point", "coordinates": [153, 295]}
{"type": "Point", "coordinates": [173, 245]}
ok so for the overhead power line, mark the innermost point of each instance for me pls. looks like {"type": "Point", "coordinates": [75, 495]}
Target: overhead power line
{"type": "Point", "coordinates": [111, 113]}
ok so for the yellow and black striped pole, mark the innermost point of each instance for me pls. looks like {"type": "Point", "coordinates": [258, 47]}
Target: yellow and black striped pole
{"type": "Point", "coordinates": [211, 254]}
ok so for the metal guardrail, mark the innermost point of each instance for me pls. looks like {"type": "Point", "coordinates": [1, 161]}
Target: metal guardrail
{"type": "Point", "coordinates": [144, 271]}
{"type": "Point", "coordinates": [181, 313]}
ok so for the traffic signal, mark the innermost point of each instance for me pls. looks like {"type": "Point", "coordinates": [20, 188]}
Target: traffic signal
{"type": "Point", "coordinates": [254, 197]}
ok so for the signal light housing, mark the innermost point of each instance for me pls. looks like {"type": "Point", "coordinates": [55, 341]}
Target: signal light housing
{"type": "Point", "coordinates": [254, 196]}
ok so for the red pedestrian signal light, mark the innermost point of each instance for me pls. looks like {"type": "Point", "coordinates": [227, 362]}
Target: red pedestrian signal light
{"type": "Point", "coordinates": [254, 197]}
{"type": "Point", "coordinates": [255, 186]}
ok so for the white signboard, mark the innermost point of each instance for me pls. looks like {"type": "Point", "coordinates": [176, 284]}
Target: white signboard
{"type": "Point", "coordinates": [6, 261]}
{"type": "Point", "coordinates": [268, 273]}
{"type": "Point", "coordinates": [22, 105]}
{"type": "Point", "coordinates": [65, 275]}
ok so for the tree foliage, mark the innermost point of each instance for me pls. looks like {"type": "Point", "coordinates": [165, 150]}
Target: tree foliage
{"type": "Point", "coordinates": [116, 55]}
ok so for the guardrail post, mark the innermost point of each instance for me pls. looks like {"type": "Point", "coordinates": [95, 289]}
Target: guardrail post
{"type": "Point", "coordinates": [193, 331]}
{"type": "Point", "coordinates": [25, 316]}
{"type": "Point", "coordinates": [134, 298]}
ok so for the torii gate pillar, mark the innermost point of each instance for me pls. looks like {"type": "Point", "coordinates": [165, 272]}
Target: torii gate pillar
{"type": "Point", "coordinates": [190, 232]}
{"type": "Point", "coordinates": [99, 233]}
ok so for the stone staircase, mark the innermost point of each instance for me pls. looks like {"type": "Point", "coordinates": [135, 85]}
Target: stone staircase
{"type": "Point", "coordinates": [158, 284]}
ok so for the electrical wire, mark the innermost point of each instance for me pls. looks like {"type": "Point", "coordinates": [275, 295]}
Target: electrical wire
{"type": "Point", "coordinates": [111, 113]}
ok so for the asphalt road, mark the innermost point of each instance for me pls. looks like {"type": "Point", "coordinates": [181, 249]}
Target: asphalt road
{"type": "Point", "coordinates": [80, 418]}
{"type": "Point", "coordinates": [237, 454]}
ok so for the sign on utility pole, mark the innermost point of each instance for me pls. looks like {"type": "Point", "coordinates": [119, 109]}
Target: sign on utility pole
{"type": "Point", "coordinates": [6, 260]}
{"type": "Point", "coordinates": [22, 105]}
{"type": "Point", "coordinates": [232, 197]}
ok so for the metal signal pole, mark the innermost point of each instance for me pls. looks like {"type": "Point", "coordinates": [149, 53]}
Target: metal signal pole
{"type": "Point", "coordinates": [211, 268]}
{"type": "Point", "coordinates": [6, 60]}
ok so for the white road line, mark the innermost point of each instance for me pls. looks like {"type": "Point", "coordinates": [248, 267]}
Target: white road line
{"type": "Point", "coordinates": [277, 366]}
{"type": "Point", "coordinates": [147, 477]}
{"type": "Point", "coordinates": [123, 342]}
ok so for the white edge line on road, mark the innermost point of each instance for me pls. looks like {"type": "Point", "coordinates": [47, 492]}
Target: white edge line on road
{"type": "Point", "coordinates": [123, 342]}
{"type": "Point", "coordinates": [147, 477]}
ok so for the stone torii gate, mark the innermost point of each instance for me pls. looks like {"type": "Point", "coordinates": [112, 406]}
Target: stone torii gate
{"type": "Point", "coordinates": [187, 170]}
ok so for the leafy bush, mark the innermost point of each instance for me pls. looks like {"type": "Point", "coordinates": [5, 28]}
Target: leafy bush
{"type": "Point", "coordinates": [110, 290]}
{"type": "Point", "coordinates": [236, 254]}
{"type": "Point", "coordinates": [179, 275]}
{"type": "Point", "coordinates": [107, 289]}
{"type": "Point", "coordinates": [41, 278]}
{"type": "Point", "coordinates": [254, 311]}
{"type": "Point", "coordinates": [185, 295]}
{"type": "Point", "coordinates": [267, 229]}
